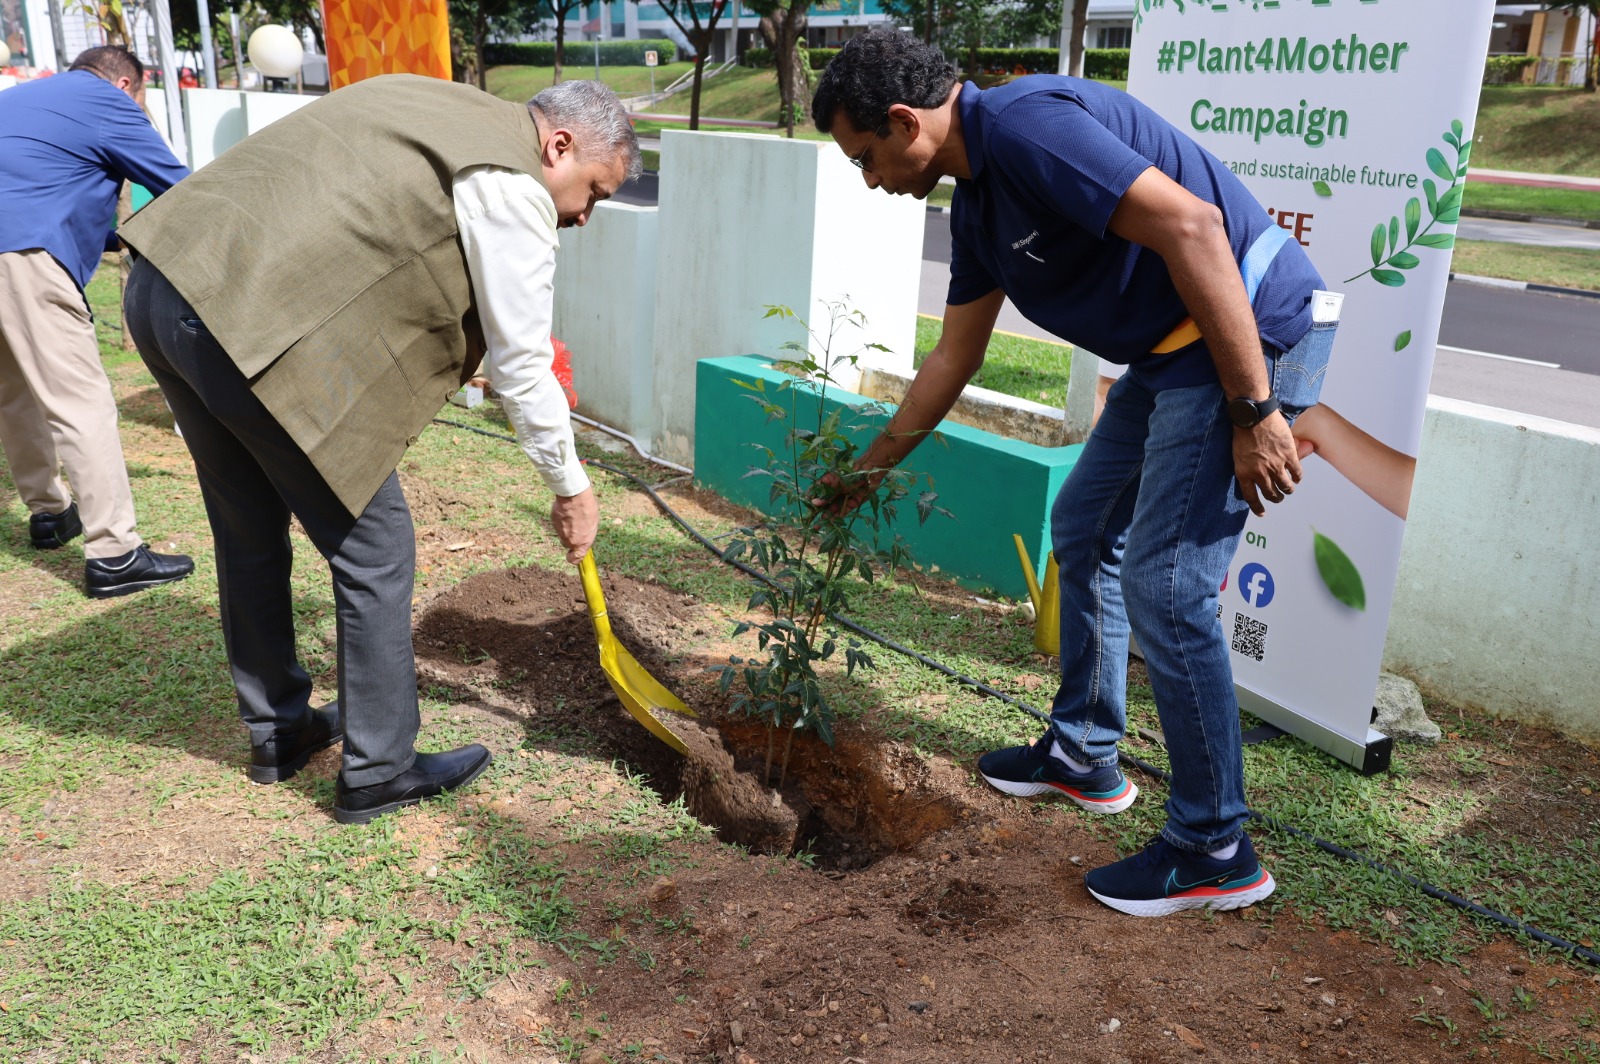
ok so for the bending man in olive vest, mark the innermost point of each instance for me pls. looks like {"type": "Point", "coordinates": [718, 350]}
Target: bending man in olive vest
{"type": "Point", "coordinates": [307, 303]}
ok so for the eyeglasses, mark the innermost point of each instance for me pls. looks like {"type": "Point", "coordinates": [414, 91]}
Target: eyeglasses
{"type": "Point", "coordinates": [862, 160]}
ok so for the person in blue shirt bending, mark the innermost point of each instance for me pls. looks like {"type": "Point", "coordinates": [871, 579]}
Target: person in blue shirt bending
{"type": "Point", "coordinates": [1112, 229]}
{"type": "Point", "coordinates": [66, 145]}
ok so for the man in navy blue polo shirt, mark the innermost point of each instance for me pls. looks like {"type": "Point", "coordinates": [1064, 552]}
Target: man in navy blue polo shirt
{"type": "Point", "coordinates": [66, 145]}
{"type": "Point", "coordinates": [1112, 229]}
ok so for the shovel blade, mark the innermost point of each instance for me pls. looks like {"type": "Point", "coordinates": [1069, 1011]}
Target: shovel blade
{"type": "Point", "coordinates": [642, 695]}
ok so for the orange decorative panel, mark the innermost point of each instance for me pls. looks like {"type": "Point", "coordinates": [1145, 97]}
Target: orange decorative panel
{"type": "Point", "coordinates": [366, 38]}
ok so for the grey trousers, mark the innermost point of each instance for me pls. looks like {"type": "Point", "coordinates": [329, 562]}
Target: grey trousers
{"type": "Point", "coordinates": [253, 476]}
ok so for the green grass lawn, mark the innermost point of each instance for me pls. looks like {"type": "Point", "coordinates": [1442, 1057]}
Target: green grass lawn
{"type": "Point", "coordinates": [1565, 267]}
{"type": "Point", "coordinates": [1016, 365]}
{"type": "Point", "coordinates": [1540, 202]}
{"type": "Point", "coordinates": [1538, 129]}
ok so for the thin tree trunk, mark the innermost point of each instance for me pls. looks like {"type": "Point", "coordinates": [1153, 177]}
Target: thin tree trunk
{"type": "Point", "coordinates": [561, 44]}
{"type": "Point", "coordinates": [480, 31]}
{"type": "Point", "coordinates": [694, 98]}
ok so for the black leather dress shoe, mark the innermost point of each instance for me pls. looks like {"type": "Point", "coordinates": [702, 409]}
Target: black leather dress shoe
{"type": "Point", "coordinates": [49, 531]}
{"type": "Point", "coordinates": [136, 570]}
{"type": "Point", "coordinates": [429, 775]}
{"type": "Point", "coordinates": [287, 752]}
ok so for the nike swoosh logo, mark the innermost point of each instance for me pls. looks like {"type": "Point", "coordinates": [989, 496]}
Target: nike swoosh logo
{"type": "Point", "coordinates": [1173, 886]}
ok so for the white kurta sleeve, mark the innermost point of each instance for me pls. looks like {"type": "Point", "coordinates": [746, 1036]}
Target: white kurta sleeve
{"type": "Point", "coordinates": [508, 231]}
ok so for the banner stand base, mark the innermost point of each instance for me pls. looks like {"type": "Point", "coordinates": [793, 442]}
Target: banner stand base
{"type": "Point", "coordinates": [1368, 757]}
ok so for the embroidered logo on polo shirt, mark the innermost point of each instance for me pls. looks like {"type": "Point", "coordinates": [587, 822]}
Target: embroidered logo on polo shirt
{"type": "Point", "coordinates": [1022, 245]}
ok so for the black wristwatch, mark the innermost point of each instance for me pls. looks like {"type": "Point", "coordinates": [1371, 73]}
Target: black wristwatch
{"type": "Point", "coordinates": [1248, 413]}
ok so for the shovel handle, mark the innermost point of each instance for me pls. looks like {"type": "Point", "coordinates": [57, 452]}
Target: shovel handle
{"type": "Point", "coordinates": [594, 596]}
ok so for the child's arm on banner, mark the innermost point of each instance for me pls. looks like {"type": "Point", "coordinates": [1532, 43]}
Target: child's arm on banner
{"type": "Point", "coordinates": [1382, 472]}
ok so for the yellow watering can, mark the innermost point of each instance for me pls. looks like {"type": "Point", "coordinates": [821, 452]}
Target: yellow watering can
{"type": "Point", "coordinates": [1046, 601]}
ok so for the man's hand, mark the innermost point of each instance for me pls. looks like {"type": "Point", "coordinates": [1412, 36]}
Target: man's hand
{"type": "Point", "coordinates": [576, 519]}
{"type": "Point", "coordinates": [835, 497]}
{"type": "Point", "coordinates": [1266, 461]}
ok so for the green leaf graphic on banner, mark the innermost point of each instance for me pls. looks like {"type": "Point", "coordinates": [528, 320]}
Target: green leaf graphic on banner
{"type": "Point", "coordinates": [1402, 341]}
{"type": "Point", "coordinates": [1321, 188]}
{"type": "Point", "coordinates": [1437, 164]}
{"type": "Point", "coordinates": [1444, 208]}
{"type": "Point", "coordinates": [1339, 573]}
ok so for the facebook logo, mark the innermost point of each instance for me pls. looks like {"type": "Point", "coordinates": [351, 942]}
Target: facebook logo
{"type": "Point", "coordinates": [1255, 584]}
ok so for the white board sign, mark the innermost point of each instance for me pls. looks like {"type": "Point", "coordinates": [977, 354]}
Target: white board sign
{"type": "Point", "coordinates": [1351, 121]}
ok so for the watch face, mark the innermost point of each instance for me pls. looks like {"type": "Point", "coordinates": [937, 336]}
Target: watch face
{"type": "Point", "coordinates": [1243, 413]}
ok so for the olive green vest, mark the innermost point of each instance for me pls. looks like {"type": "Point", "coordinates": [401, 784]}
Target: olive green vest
{"type": "Point", "coordinates": [322, 254]}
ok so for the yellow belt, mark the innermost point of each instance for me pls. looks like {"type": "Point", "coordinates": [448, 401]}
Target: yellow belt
{"type": "Point", "coordinates": [1185, 334]}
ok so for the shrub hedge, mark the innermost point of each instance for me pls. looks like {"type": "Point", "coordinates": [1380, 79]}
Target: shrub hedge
{"type": "Point", "coordinates": [1107, 64]}
{"type": "Point", "coordinates": [612, 53]}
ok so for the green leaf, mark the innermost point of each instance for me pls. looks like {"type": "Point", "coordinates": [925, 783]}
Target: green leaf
{"type": "Point", "coordinates": [1456, 127]}
{"type": "Point", "coordinates": [1339, 573]}
{"type": "Point", "coordinates": [1433, 196]}
{"type": "Point", "coordinates": [1437, 164]}
{"type": "Point", "coordinates": [1450, 139]}
{"type": "Point", "coordinates": [1451, 198]}
{"type": "Point", "coordinates": [1449, 217]}
{"type": "Point", "coordinates": [1404, 260]}
{"type": "Point", "coordinates": [1394, 233]}
{"type": "Point", "coordinates": [1377, 245]}
{"type": "Point", "coordinates": [1438, 240]}
{"type": "Point", "coordinates": [1461, 159]}
{"type": "Point", "coordinates": [1402, 341]}
{"type": "Point", "coordinates": [1389, 277]}
{"type": "Point", "coordinates": [1321, 188]}
{"type": "Point", "coordinates": [1413, 217]}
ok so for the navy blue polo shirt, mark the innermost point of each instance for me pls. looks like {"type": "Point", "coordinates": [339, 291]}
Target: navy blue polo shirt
{"type": "Point", "coordinates": [66, 145]}
{"type": "Point", "coordinates": [1051, 157]}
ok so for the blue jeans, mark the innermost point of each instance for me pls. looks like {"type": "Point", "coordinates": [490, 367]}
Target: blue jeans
{"type": "Point", "coordinates": [1143, 532]}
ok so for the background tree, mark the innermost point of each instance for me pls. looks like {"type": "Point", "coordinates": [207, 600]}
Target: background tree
{"type": "Point", "coordinates": [783, 25]}
{"type": "Point", "coordinates": [478, 19]}
{"type": "Point", "coordinates": [698, 24]}
{"type": "Point", "coordinates": [961, 27]}
{"type": "Point", "coordinates": [559, 10]}
{"type": "Point", "coordinates": [1074, 20]}
{"type": "Point", "coordinates": [1577, 9]}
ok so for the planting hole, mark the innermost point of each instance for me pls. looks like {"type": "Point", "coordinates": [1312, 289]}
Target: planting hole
{"type": "Point", "coordinates": [523, 640]}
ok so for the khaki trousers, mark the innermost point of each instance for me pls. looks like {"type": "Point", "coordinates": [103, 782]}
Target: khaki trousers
{"type": "Point", "coordinates": [56, 406]}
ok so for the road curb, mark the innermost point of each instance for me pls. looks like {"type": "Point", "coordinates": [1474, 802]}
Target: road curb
{"type": "Point", "coordinates": [1515, 216]}
{"type": "Point", "coordinates": [1526, 286]}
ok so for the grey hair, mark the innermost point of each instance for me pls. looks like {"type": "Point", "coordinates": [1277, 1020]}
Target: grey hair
{"type": "Point", "coordinates": [592, 111]}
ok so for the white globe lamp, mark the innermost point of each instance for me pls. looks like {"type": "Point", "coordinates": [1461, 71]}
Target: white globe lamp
{"type": "Point", "coordinates": [275, 51]}
{"type": "Point", "coordinates": [5, 54]}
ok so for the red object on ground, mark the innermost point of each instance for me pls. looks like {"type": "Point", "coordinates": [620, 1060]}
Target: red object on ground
{"type": "Point", "coordinates": [563, 371]}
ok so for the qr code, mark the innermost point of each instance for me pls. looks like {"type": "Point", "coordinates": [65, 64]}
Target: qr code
{"type": "Point", "coordinates": [1249, 637]}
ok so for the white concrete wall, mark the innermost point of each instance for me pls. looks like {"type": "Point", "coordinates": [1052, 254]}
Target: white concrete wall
{"type": "Point", "coordinates": [1498, 596]}
{"type": "Point", "coordinates": [605, 313]}
{"type": "Point", "coordinates": [749, 220]}
{"type": "Point", "coordinates": [215, 121]}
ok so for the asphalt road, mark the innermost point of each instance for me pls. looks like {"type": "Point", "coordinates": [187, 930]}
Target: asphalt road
{"type": "Point", "coordinates": [1524, 351]}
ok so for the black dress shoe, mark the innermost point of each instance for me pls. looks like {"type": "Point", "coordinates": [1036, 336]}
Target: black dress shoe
{"type": "Point", "coordinates": [49, 531]}
{"type": "Point", "coordinates": [429, 775]}
{"type": "Point", "coordinates": [287, 752]}
{"type": "Point", "coordinates": [136, 570]}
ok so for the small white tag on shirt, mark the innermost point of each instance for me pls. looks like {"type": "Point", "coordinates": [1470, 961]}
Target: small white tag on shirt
{"type": "Point", "coordinates": [1325, 306]}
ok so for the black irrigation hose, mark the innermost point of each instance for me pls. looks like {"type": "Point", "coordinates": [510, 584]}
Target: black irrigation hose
{"type": "Point", "coordinates": [1573, 948]}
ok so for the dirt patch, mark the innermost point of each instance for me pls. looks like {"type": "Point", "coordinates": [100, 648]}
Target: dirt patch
{"type": "Point", "coordinates": [524, 636]}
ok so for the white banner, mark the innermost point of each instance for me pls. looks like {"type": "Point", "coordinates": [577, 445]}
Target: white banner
{"type": "Point", "coordinates": [1351, 121]}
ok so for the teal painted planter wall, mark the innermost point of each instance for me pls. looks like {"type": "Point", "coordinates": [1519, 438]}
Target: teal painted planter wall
{"type": "Point", "coordinates": [993, 486]}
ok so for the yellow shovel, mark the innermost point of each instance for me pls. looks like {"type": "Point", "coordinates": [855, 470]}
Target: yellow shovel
{"type": "Point", "coordinates": [640, 692]}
